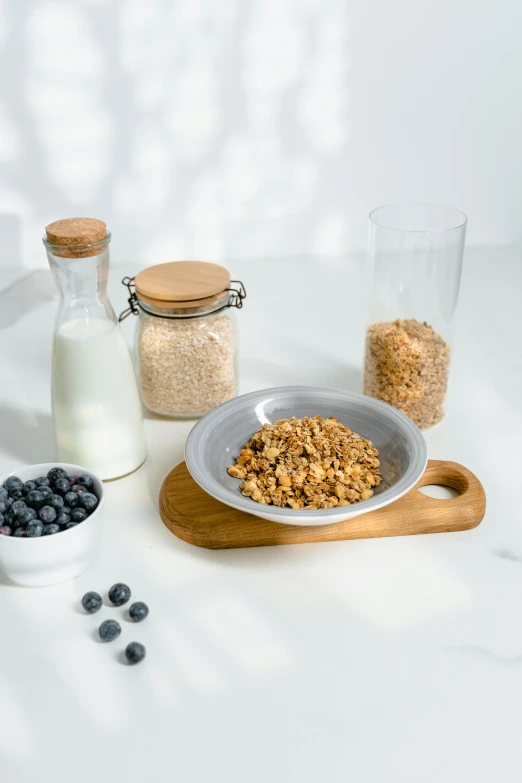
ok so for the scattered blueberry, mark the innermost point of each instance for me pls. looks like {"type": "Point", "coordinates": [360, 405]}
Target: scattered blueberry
{"type": "Point", "coordinates": [55, 501]}
{"type": "Point", "coordinates": [49, 530]}
{"type": "Point", "coordinates": [88, 501]}
{"type": "Point", "coordinates": [20, 533]}
{"type": "Point", "coordinates": [119, 594]}
{"type": "Point", "coordinates": [71, 499]}
{"type": "Point", "coordinates": [28, 487]}
{"type": "Point", "coordinates": [18, 508]}
{"type": "Point", "coordinates": [56, 473]}
{"type": "Point", "coordinates": [34, 528]}
{"type": "Point", "coordinates": [86, 481]}
{"type": "Point", "coordinates": [138, 611]}
{"type": "Point", "coordinates": [47, 514]}
{"type": "Point", "coordinates": [109, 630]}
{"type": "Point", "coordinates": [79, 488]}
{"type": "Point", "coordinates": [5, 530]}
{"type": "Point", "coordinates": [135, 652]}
{"type": "Point", "coordinates": [61, 486]}
{"type": "Point", "coordinates": [45, 491]}
{"type": "Point", "coordinates": [63, 517]}
{"type": "Point", "coordinates": [92, 602]}
{"type": "Point", "coordinates": [79, 514]}
{"type": "Point", "coordinates": [35, 499]}
{"type": "Point", "coordinates": [13, 482]}
{"type": "Point", "coordinates": [69, 525]}
{"type": "Point", "coordinates": [15, 494]}
{"type": "Point", "coordinates": [42, 481]}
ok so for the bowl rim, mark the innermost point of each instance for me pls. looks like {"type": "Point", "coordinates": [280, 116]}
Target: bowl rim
{"type": "Point", "coordinates": [69, 466]}
{"type": "Point", "coordinates": [312, 516]}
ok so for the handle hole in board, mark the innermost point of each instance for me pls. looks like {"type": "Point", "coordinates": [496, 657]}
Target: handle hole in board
{"type": "Point", "coordinates": [439, 491]}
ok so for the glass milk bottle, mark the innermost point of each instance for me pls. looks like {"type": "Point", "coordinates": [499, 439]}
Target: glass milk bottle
{"type": "Point", "coordinates": [96, 407]}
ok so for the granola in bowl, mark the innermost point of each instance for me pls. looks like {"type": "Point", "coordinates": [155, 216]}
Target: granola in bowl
{"type": "Point", "coordinates": [308, 463]}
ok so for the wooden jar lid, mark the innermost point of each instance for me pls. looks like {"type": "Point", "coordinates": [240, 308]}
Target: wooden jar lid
{"type": "Point", "coordinates": [184, 282]}
{"type": "Point", "coordinates": [74, 235]}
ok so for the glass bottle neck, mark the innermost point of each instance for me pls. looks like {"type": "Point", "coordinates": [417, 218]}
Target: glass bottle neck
{"type": "Point", "coordinates": [81, 278]}
{"type": "Point", "coordinates": [82, 284]}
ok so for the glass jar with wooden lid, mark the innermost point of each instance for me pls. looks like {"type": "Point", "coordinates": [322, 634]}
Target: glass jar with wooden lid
{"type": "Point", "coordinates": [186, 338]}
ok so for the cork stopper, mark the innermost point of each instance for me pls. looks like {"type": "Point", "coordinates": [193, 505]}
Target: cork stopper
{"type": "Point", "coordinates": [77, 237]}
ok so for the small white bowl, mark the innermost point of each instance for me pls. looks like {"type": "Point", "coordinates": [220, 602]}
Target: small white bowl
{"type": "Point", "coordinates": [50, 560]}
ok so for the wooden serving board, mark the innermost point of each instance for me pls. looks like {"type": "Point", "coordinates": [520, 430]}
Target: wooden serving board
{"type": "Point", "coordinates": [198, 518]}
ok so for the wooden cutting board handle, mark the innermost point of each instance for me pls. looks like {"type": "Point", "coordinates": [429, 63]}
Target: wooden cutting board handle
{"type": "Point", "coordinates": [196, 517]}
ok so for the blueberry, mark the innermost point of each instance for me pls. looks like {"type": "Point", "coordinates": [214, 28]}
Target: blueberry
{"type": "Point", "coordinates": [63, 517]}
{"type": "Point", "coordinates": [28, 487]}
{"type": "Point", "coordinates": [79, 514]}
{"type": "Point", "coordinates": [13, 482]}
{"type": "Point", "coordinates": [88, 501]}
{"type": "Point", "coordinates": [109, 630]}
{"type": "Point", "coordinates": [23, 519]}
{"type": "Point", "coordinates": [74, 480]}
{"type": "Point", "coordinates": [42, 481]}
{"type": "Point", "coordinates": [20, 533]}
{"type": "Point", "coordinates": [79, 488]}
{"type": "Point", "coordinates": [15, 494]}
{"type": "Point", "coordinates": [1, 519]}
{"type": "Point", "coordinates": [49, 530]}
{"type": "Point", "coordinates": [35, 499]}
{"type": "Point", "coordinates": [55, 501]}
{"type": "Point", "coordinates": [9, 518]}
{"type": "Point", "coordinates": [61, 486]}
{"type": "Point", "coordinates": [86, 481]}
{"type": "Point", "coordinates": [45, 491]}
{"type": "Point", "coordinates": [34, 528]}
{"type": "Point", "coordinates": [5, 530]}
{"type": "Point", "coordinates": [69, 525]}
{"type": "Point", "coordinates": [56, 473]}
{"type": "Point", "coordinates": [47, 514]}
{"type": "Point", "coordinates": [119, 594]}
{"type": "Point", "coordinates": [135, 652]}
{"type": "Point", "coordinates": [92, 602]}
{"type": "Point", "coordinates": [138, 611]}
{"type": "Point", "coordinates": [4, 494]}
{"type": "Point", "coordinates": [18, 508]}
{"type": "Point", "coordinates": [71, 499]}
{"type": "Point", "coordinates": [3, 506]}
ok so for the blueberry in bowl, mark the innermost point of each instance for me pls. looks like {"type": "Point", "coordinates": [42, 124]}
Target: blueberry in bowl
{"type": "Point", "coordinates": [61, 534]}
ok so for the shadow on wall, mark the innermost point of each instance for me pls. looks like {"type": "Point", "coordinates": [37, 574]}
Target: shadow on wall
{"type": "Point", "coordinates": [203, 129]}
{"type": "Point", "coordinates": [25, 295]}
{"type": "Point", "coordinates": [26, 435]}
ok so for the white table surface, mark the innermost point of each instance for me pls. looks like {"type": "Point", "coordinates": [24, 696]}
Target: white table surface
{"type": "Point", "coordinates": [381, 660]}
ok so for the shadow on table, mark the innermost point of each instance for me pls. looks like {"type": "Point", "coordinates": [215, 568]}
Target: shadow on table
{"type": "Point", "coordinates": [26, 435]}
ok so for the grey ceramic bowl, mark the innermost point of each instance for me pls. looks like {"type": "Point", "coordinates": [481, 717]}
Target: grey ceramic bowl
{"type": "Point", "coordinates": [218, 437]}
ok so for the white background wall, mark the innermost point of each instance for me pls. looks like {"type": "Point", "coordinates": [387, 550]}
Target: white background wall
{"type": "Point", "coordinates": [229, 128]}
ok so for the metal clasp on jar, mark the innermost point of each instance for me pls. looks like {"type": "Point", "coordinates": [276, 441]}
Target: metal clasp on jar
{"type": "Point", "coordinates": [235, 300]}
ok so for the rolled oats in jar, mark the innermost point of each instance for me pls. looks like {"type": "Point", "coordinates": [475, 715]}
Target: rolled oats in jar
{"type": "Point", "coordinates": [185, 339]}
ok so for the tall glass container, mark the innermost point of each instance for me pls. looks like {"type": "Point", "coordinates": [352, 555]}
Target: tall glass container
{"type": "Point", "coordinates": [415, 258]}
{"type": "Point", "coordinates": [96, 407]}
